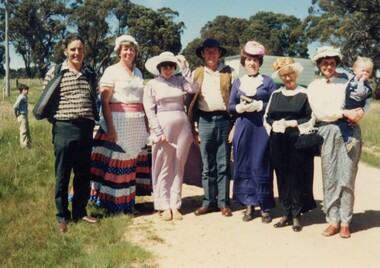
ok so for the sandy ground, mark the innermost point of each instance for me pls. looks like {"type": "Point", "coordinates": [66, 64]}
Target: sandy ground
{"type": "Point", "coordinates": [216, 241]}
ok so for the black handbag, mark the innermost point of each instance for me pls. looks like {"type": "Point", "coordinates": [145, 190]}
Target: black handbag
{"type": "Point", "coordinates": [308, 140]}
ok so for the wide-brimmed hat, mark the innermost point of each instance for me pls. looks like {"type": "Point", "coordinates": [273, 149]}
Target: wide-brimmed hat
{"type": "Point", "coordinates": [286, 62]}
{"type": "Point", "coordinates": [209, 42]}
{"type": "Point", "coordinates": [124, 38]}
{"type": "Point", "coordinates": [252, 48]}
{"type": "Point", "coordinates": [166, 56]}
{"type": "Point", "coordinates": [326, 51]}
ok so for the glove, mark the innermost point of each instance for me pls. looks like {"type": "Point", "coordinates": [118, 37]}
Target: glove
{"type": "Point", "coordinates": [254, 106]}
{"type": "Point", "coordinates": [291, 123]}
{"type": "Point", "coordinates": [279, 126]}
{"type": "Point", "coordinates": [241, 107]}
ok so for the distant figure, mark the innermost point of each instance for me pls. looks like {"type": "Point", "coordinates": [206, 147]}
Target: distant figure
{"type": "Point", "coordinates": [118, 156]}
{"type": "Point", "coordinates": [21, 111]}
{"type": "Point", "coordinates": [73, 123]}
{"type": "Point", "coordinates": [209, 108]}
{"type": "Point", "coordinates": [170, 127]}
{"type": "Point", "coordinates": [358, 92]}
{"type": "Point", "coordinates": [253, 172]}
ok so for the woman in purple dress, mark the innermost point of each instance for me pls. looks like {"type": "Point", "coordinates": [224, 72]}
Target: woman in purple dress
{"type": "Point", "coordinates": [164, 105]}
{"type": "Point", "coordinates": [253, 174]}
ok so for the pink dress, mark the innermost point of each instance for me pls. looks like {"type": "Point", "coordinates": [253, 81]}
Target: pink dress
{"type": "Point", "coordinates": [164, 107]}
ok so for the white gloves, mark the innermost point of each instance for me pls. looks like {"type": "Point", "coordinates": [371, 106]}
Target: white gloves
{"type": "Point", "coordinates": [291, 123]}
{"type": "Point", "coordinates": [279, 126]}
{"type": "Point", "coordinates": [249, 107]}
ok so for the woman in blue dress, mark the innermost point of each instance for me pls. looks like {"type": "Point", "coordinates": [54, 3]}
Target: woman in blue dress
{"type": "Point", "coordinates": [253, 174]}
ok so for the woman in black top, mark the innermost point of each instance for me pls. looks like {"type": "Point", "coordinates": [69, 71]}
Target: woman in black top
{"type": "Point", "coordinates": [288, 115]}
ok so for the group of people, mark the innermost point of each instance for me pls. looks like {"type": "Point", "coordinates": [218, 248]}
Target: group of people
{"type": "Point", "coordinates": [215, 108]}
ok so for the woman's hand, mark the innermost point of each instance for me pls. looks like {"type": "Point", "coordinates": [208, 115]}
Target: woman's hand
{"type": "Point", "coordinates": [162, 139]}
{"type": "Point", "coordinates": [196, 138]}
{"type": "Point", "coordinates": [354, 115]}
{"type": "Point", "coordinates": [111, 134]}
{"type": "Point", "coordinates": [231, 134]}
{"type": "Point", "coordinates": [182, 61]}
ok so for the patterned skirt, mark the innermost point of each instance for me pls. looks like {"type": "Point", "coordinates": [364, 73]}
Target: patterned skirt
{"type": "Point", "coordinates": [119, 173]}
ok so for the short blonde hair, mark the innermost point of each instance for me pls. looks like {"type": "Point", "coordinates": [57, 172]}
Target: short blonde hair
{"type": "Point", "coordinates": [363, 60]}
{"type": "Point", "coordinates": [126, 44]}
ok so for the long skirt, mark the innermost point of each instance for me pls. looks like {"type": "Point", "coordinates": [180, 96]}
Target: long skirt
{"type": "Point", "coordinates": [121, 170]}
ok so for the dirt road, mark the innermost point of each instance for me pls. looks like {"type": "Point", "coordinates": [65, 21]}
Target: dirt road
{"type": "Point", "coordinates": [215, 241]}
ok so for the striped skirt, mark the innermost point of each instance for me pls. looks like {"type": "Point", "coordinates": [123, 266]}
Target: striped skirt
{"type": "Point", "coordinates": [118, 173]}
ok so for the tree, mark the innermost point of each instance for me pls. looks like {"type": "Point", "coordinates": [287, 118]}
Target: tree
{"type": "Point", "coordinates": [280, 34]}
{"type": "Point", "coordinates": [352, 25]}
{"type": "Point", "coordinates": [155, 31]}
{"type": "Point", "coordinates": [35, 27]}
{"type": "Point", "coordinates": [91, 24]}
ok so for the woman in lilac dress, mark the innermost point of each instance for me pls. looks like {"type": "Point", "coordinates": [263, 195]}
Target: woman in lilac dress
{"type": "Point", "coordinates": [164, 105]}
{"type": "Point", "coordinates": [253, 174]}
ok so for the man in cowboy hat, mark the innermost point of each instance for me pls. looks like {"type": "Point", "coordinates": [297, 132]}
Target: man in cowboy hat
{"type": "Point", "coordinates": [209, 109]}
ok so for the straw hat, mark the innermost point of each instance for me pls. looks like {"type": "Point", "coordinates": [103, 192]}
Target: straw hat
{"type": "Point", "coordinates": [286, 62]}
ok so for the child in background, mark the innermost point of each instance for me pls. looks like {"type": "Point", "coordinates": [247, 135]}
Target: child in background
{"type": "Point", "coordinates": [357, 92]}
{"type": "Point", "coordinates": [21, 111]}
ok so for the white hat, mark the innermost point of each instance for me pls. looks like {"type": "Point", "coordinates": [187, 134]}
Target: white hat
{"type": "Point", "coordinates": [124, 38]}
{"type": "Point", "coordinates": [152, 63]}
{"type": "Point", "coordinates": [326, 51]}
{"type": "Point", "coordinates": [296, 66]}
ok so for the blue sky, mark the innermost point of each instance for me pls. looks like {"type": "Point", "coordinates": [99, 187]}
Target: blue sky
{"type": "Point", "coordinates": [196, 13]}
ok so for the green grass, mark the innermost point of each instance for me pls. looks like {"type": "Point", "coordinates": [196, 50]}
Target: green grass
{"type": "Point", "coordinates": [370, 125]}
{"type": "Point", "coordinates": [28, 229]}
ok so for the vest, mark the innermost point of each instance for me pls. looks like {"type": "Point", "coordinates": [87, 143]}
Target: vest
{"type": "Point", "coordinates": [225, 88]}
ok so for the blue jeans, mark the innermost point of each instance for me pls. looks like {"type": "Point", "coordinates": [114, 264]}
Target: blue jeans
{"type": "Point", "coordinates": [215, 151]}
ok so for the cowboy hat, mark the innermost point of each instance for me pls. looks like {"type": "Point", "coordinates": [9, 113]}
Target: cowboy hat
{"type": "Point", "coordinates": [209, 42]}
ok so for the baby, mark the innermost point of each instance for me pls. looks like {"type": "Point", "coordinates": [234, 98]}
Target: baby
{"type": "Point", "coordinates": [357, 92]}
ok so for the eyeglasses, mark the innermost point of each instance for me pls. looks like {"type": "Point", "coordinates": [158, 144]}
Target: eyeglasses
{"type": "Point", "coordinates": [283, 76]}
{"type": "Point", "coordinates": [168, 64]}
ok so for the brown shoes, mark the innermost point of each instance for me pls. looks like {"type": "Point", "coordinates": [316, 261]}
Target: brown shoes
{"type": "Point", "coordinates": [345, 232]}
{"type": "Point", "coordinates": [331, 230]}
{"type": "Point", "coordinates": [203, 210]}
{"type": "Point", "coordinates": [90, 219]}
{"type": "Point", "coordinates": [62, 227]}
{"type": "Point", "coordinates": [226, 211]}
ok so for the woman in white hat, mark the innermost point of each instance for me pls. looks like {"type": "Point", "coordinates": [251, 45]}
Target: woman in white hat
{"type": "Point", "coordinates": [288, 115]}
{"type": "Point", "coordinates": [117, 155]}
{"type": "Point", "coordinates": [253, 174]}
{"type": "Point", "coordinates": [339, 167]}
{"type": "Point", "coordinates": [170, 126]}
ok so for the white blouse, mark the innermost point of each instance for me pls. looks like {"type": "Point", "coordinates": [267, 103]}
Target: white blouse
{"type": "Point", "coordinates": [327, 98]}
{"type": "Point", "coordinates": [126, 89]}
